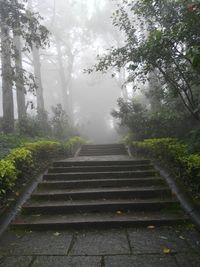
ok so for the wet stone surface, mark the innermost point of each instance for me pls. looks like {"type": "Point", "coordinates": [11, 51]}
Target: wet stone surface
{"type": "Point", "coordinates": [100, 243]}
{"type": "Point", "coordinates": [13, 261]}
{"type": "Point", "coordinates": [104, 248]}
{"type": "Point", "coordinates": [140, 261]}
{"type": "Point", "coordinates": [156, 240]}
{"type": "Point", "coordinates": [188, 259]}
{"type": "Point", "coordinates": [34, 243]}
{"type": "Point", "coordinates": [63, 261]}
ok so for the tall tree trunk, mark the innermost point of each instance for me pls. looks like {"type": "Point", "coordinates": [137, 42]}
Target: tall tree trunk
{"type": "Point", "coordinates": [62, 79]}
{"type": "Point", "coordinates": [38, 79]}
{"type": "Point", "coordinates": [8, 109]}
{"type": "Point", "coordinates": [21, 105]}
{"type": "Point", "coordinates": [37, 73]}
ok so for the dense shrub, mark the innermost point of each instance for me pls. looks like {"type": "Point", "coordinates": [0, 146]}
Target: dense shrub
{"type": "Point", "coordinates": [21, 161]}
{"type": "Point", "coordinates": [8, 175]}
{"type": "Point", "coordinates": [176, 154]}
{"type": "Point", "coordinates": [145, 123]}
{"type": "Point", "coordinates": [10, 141]}
{"type": "Point", "coordinates": [73, 143]}
{"type": "Point", "coordinates": [45, 149]}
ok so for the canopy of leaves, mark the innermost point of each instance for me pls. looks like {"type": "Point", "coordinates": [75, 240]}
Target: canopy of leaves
{"type": "Point", "coordinates": [161, 37]}
{"type": "Point", "coordinates": [23, 22]}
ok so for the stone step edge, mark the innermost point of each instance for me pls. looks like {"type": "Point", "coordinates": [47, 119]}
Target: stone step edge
{"type": "Point", "coordinates": [116, 222]}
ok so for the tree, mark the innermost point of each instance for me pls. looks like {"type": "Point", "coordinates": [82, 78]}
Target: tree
{"type": "Point", "coordinates": [171, 47]}
{"type": "Point", "coordinates": [8, 111]}
{"type": "Point", "coordinates": [20, 87]}
{"type": "Point", "coordinates": [16, 21]}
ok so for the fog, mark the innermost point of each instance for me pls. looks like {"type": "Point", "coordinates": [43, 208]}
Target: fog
{"type": "Point", "coordinates": [80, 29]}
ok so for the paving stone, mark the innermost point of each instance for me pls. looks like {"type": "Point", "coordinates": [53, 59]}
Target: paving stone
{"type": "Point", "coordinates": [8, 240]}
{"type": "Point", "coordinates": [188, 260]}
{"type": "Point", "coordinates": [155, 240]}
{"type": "Point", "coordinates": [101, 243]}
{"type": "Point", "coordinates": [19, 261]}
{"type": "Point", "coordinates": [39, 243]}
{"type": "Point", "coordinates": [140, 261]}
{"type": "Point", "coordinates": [192, 237]}
{"type": "Point", "coordinates": [64, 261]}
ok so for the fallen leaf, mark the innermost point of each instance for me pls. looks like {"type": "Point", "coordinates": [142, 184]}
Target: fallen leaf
{"type": "Point", "coordinates": [166, 250]}
{"type": "Point", "coordinates": [181, 237]}
{"type": "Point", "coordinates": [151, 227]}
{"type": "Point", "coordinates": [17, 194]}
{"type": "Point", "coordinates": [36, 215]}
{"type": "Point", "coordinates": [163, 237]}
{"type": "Point", "coordinates": [119, 212]}
{"type": "Point", "coordinates": [56, 233]}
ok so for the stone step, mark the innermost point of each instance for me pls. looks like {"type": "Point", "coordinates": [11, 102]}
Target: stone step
{"type": "Point", "coordinates": [90, 154]}
{"type": "Point", "coordinates": [93, 175]}
{"type": "Point", "coordinates": [104, 146]}
{"type": "Point", "coordinates": [64, 163]}
{"type": "Point", "coordinates": [107, 193]}
{"type": "Point", "coordinates": [96, 183]}
{"type": "Point", "coordinates": [97, 220]}
{"type": "Point", "coordinates": [122, 205]}
{"type": "Point", "coordinates": [100, 168]}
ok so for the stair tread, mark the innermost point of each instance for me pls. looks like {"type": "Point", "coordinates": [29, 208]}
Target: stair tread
{"type": "Point", "coordinates": [102, 162]}
{"type": "Point", "coordinates": [106, 172]}
{"type": "Point", "coordinates": [97, 217]}
{"type": "Point", "coordinates": [97, 202]}
{"type": "Point", "coordinates": [110, 189]}
{"type": "Point", "coordinates": [107, 179]}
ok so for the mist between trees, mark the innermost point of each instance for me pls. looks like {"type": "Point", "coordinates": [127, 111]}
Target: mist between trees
{"type": "Point", "coordinates": [148, 59]}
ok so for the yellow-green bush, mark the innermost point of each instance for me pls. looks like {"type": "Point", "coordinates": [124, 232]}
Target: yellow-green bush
{"type": "Point", "coordinates": [45, 149]}
{"type": "Point", "coordinates": [176, 154]}
{"type": "Point", "coordinates": [8, 175]}
{"type": "Point", "coordinates": [21, 161]}
{"type": "Point", "coordinates": [73, 143]}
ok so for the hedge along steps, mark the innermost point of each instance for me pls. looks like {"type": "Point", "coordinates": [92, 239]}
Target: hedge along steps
{"type": "Point", "coordinates": [22, 161]}
{"type": "Point", "coordinates": [175, 153]}
{"type": "Point", "coordinates": [187, 165]}
{"type": "Point", "coordinates": [9, 173]}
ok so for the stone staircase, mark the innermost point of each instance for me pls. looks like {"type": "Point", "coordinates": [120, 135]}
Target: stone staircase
{"type": "Point", "coordinates": [103, 150]}
{"type": "Point", "coordinates": [103, 192]}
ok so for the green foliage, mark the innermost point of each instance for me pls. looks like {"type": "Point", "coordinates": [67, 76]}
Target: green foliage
{"type": "Point", "coordinates": [35, 126]}
{"type": "Point", "coordinates": [176, 154]}
{"type": "Point", "coordinates": [74, 143]}
{"type": "Point", "coordinates": [10, 141]}
{"type": "Point", "coordinates": [161, 37]}
{"type": "Point", "coordinates": [41, 125]}
{"type": "Point", "coordinates": [8, 176]}
{"type": "Point", "coordinates": [44, 150]}
{"type": "Point", "coordinates": [60, 123]}
{"type": "Point", "coordinates": [144, 123]}
{"type": "Point", "coordinates": [22, 160]}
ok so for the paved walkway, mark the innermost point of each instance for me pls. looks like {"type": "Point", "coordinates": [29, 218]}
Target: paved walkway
{"type": "Point", "coordinates": [142, 247]}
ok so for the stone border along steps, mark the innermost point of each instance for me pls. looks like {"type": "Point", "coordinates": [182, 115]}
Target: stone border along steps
{"type": "Point", "coordinates": [100, 193]}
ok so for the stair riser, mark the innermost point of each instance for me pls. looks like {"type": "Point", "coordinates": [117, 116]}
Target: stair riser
{"type": "Point", "coordinates": [108, 153]}
{"type": "Point", "coordinates": [98, 184]}
{"type": "Point", "coordinates": [100, 169]}
{"type": "Point", "coordinates": [104, 152]}
{"type": "Point", "coordinates": [101, 148]}
{"type": "Point", "coordinates": [99, 163]}
{"type": "Point", "coordinates": [97, 224]}
{"type": "Point", "coordinates": [106, 195]}
{"type": "Point", "coordinates": [85, 176]}
{"type": "Point", "coordinates": [97, 208]}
